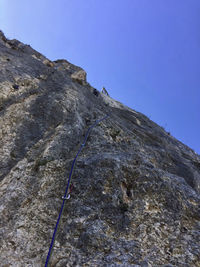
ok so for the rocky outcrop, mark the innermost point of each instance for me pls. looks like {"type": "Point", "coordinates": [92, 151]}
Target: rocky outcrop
{"type": "Point", "coordinates": [135, 200]}
{"type": "Point", "coordinates": [77, 74]}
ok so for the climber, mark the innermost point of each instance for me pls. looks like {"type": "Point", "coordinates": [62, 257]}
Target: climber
{"type": "Point", "coordinates": [104, 91]}
{"type": "Point", "coordinates": [95, 92]}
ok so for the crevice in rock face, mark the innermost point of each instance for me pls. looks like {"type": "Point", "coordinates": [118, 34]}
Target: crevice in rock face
{"type": "Point", "coordinates": [126, 190]}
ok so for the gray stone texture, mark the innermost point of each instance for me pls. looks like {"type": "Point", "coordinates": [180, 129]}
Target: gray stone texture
{"type": "Point", "coordinates": [135, 200]}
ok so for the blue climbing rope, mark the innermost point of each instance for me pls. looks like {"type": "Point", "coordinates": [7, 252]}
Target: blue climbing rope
{"type": "Point", "coordinates": [67, 187]}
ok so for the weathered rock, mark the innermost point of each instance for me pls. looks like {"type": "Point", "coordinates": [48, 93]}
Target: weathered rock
{"type": "Point", "coordinates": [77, 73]}
{"type": "Point", "coordinates": [79, 76]}
{"type": "Point", "coordinates": [135, 200]}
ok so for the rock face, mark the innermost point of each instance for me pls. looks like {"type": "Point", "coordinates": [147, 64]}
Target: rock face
{"type": "Point", "coordinates": [135, 200]}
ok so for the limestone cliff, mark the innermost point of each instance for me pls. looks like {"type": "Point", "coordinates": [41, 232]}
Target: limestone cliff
{"type": "Point", "coordinates": [135, 200]}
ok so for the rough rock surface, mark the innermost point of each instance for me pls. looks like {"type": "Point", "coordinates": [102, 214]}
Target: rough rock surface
{"type": "Point", "coordinates": [135, 200]}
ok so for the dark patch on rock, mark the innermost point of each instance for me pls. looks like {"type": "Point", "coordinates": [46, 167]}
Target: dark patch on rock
{"type": "Point", "coordinates": [15, 86]}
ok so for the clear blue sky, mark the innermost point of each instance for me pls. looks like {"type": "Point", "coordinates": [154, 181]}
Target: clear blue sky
{"type": "Point", "coordinates": [145, 52]}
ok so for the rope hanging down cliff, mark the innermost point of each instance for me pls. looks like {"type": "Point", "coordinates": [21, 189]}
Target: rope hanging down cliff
{"type": "Point", "coordinates": [67, 187]}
